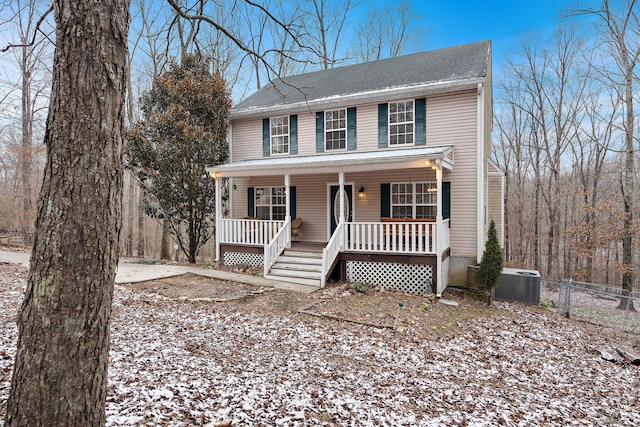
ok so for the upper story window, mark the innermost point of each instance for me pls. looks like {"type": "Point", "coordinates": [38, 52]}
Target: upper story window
{"type": "Point", "coordinates": [401, 115]}
{"type": "Point", "coordinates": [335, 129]}
{"type": "Point", "coordinates": [270, 203]}
{"type": "Point", "coordinates": [280, 135]}
{"type": "Point", "coordinates": [417, 200]}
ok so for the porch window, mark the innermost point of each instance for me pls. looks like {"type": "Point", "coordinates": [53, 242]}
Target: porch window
{"type": "Point", "coordinates": [279, 135]}
{"type": "Point", "coordinates": [270, 203]}
{"type": "Point", "coordinates": [335, 125]}
{"type": "Point", "coordinates": [401, 122]}
{"type": "Point", "coordinates": [417, 200]}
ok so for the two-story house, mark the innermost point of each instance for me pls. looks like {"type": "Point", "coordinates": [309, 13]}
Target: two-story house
{"type": "Point", "coordinates": [385, 165]}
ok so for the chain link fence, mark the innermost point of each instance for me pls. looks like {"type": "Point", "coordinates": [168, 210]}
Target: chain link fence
{"type": "Point", "coordinates": [595, 303]}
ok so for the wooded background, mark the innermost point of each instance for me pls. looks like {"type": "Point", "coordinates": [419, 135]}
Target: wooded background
{"type": "Point", "coordinates": [565, 131]}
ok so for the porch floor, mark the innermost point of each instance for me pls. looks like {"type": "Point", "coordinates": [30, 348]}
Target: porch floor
{"type": "Point", "coordinates": [308, 246]}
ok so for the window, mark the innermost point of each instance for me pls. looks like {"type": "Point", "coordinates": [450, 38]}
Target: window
{"type": "Point", "coordinates": [335, 129]}
{"type": "Point", "coordinates": [271, 203]}
{"type": "Point", "coordinates": [279, 135]}
{"type": "Point", "coordinates": [401, 122]}
{"type": "Point", "coordinates": [414, 200]}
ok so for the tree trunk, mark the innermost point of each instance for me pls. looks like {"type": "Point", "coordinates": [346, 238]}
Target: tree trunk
{"type": "Point", "coordinates": [629, 172]}
{"type": "Point", "coordinates": [60, 372]}
{"type": "Point", "coordinates": [26, 151]}
{"type": "Point", "coordinates": [165, 252]}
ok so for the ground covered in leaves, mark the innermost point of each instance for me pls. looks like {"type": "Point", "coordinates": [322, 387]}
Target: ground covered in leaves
{"type": "Point", "coordinates": [193, 351]}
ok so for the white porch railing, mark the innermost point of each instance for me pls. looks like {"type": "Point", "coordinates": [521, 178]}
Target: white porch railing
{"type": "Point", "coordinates": [331, 251]}
{"type": "Point", "coordinates": [249, 231]}
{"type": "Point", "coordinates": [276, 246]}
{"type": "Point", "coordinates": [401, 237]}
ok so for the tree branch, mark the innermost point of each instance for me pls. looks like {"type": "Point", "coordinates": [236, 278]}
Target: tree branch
{"type": "Point", "coordinates": [37, 29]}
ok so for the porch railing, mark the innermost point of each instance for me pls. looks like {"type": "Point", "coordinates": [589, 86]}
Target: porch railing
{"type": "Point", "coordinates": [332, 250]}
{"type": "Point", "coordinates": [401, 237]}
{"type": "Point", "coordinates": [276, 246]}
{"type": "Point", "coordinates": [249, 231]}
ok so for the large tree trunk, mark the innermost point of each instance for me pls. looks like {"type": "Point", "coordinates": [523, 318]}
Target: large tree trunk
{"type": "Point", "coordinates": [60, 372]}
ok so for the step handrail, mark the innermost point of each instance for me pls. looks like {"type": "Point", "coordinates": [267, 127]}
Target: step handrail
{"type": "Point", "coordinates": [332, 250]}
{"type": "Point", "coordinates": [276, 246]}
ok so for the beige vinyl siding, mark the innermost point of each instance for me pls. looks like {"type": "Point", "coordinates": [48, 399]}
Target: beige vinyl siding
{"type": "Point", "coordinates": [306, 133]}
{"type": "Point", "coordinates": [452, 119]}
{"type": "Point", "coordinates": [246, 139]}
{"type": "Point", "coordinates": [495, 203]}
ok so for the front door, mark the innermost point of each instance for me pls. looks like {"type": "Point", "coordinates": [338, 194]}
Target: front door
{"type": "Point", "coordinates": [335, 204]}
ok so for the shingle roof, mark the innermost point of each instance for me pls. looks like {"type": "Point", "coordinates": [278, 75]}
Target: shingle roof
{"type": "Point", "coordinates": [453, 64]}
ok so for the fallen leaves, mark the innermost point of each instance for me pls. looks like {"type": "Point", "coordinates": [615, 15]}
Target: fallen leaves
{"type": "Point", "coordinates": [189, 363]}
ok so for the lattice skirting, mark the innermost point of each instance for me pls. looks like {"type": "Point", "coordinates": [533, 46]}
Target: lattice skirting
{"type": "Point", "coordinates": [445, 272]}
{"type": "Point", "coordinates": [409, 278]}
{"type": "Point", "coordinates": [236, 258]}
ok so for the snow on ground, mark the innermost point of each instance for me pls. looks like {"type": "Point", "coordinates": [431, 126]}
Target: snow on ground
{"type": "Point", "coordinates": [183, 364]}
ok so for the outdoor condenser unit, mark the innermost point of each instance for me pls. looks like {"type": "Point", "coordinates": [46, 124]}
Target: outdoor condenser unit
{"type": "Point", "coordinates": [520, 285]}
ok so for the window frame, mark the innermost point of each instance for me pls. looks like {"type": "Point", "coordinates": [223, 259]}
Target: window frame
{"type": "Point", "coordinates": [404, 124]}
{"type": "Point", "coordinates": [430, 192]}
{"type": "Point", "coordinates": [275, 136]}
{"type": "Point", "coordinates": [282, 198]}
{"type": "Point", "coordinates": [342, 129]}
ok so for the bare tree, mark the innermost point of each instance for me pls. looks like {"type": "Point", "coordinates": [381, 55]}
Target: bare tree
{"type": "Point", "coordinates": [60, 371]}
{"type": "Point", "coordinates": [31, 53]}
{"type": "Point", "coordinates": [618, 24]}
{"type": "Point", "coordinates": [325, 22]}
{"type": "Point", "coordinates": [385, 32]}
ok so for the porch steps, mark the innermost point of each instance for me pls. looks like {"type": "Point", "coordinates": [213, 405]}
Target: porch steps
{"type": "Point", "coordinates": [298, 266]}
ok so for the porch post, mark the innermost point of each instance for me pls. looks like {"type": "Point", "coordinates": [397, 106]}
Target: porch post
{"type": "Point", "coordinates": [341, 192]}
{"type": "Point", "coordinates": [218, 180]}
{"type": "Point", "coordinates": [287, 184]}
{"type": "Point", "coordinates": [439, 228]}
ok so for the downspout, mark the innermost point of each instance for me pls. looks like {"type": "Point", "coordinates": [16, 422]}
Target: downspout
{"type": "Point", "coordinates": [480, 164]}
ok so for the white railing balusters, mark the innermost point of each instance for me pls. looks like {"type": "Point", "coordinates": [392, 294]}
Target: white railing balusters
{"type": "Point", "coordinates": [397, 237]}
{"type": "Point", "coordinates": [332, 250]}
{"type": "Point", "coordinates": [272, 249]}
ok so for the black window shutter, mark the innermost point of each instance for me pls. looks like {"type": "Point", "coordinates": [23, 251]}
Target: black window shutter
{"type": "Point", "coordinates": [292, 201]}
{"type": "Point", "coordinates": [383, 130]}
{"type": "Point", "coordinates": [266, 138]}
{"type": "Point", "coordinates": [251, 202]}
{"type": "Point", "coordinates": [421, 122]}
{"type": "Point", "coordinates": [320, 132]}
{"type": "Point", "coordinates": [385, 200]}
{"type": "Point", "coordinates": [293, 134]}
{"type": "Point", "coordinates": [351, 129]}
{"type": "Point", "coordinates": [446, 201]}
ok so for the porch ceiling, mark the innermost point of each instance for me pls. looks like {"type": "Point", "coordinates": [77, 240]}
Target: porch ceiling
{"type": "Point", "coordinates": [386, 159]}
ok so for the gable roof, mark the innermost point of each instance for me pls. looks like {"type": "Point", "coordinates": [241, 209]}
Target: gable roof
{"type": "Point", "coordinates": [425, 72]}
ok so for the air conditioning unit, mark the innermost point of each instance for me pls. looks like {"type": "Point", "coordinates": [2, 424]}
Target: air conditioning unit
{"type": "Point", "coordinates": [520, 285]}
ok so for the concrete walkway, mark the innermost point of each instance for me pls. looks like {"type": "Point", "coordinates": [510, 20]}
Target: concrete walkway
{"type": "Point", "coordinates": [130, 272]}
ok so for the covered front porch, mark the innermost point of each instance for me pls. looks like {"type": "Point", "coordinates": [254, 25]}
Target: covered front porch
{"type": "Point", "coordinates": [342, 220]}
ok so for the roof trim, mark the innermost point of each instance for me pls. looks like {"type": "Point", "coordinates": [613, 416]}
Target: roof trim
{"type": "Point", "coordinates": [360, 98]}
{"type": "Point", "coordinates": [385, 159]}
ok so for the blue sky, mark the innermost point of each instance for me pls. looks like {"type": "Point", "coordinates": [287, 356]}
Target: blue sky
{"type": "Point", "coordinates": [453, 22]}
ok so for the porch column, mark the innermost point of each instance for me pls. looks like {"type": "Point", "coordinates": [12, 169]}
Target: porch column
{"type": "Point", "coordinates": [439, 228]}
{"type": "Point", "coordinates": [438, 169]}
{"type": "Point", "coordinates": [341, 193]}
{"type": "Point", "coordinates": [287, 185]}
{"type": "Point", "coordinates": [218, 180]}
